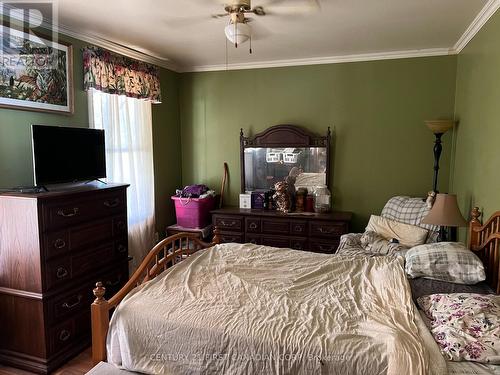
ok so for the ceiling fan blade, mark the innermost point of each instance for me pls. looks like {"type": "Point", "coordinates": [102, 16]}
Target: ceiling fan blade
{"type": "Point", "coordinates": [292, 7]}
{"type": "Point", "coordinates": [220, 15]}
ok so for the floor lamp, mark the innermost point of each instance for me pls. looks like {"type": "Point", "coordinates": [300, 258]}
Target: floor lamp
{"type": "Point", "coordinates": [438, 127]}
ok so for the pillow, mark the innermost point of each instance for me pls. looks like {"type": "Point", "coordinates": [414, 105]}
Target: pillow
{"type": "Point", "coordinates": [445, 261]}
{"type": "Point", "coordinates": [376, 244]}
{"type": "Point", "coordinates": [408, 235]}
{"type": "Point", "coordinates": [465, 326]}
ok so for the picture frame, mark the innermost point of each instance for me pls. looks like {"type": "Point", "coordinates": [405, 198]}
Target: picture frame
{"type": "Point", "coordinates": [36, 74]}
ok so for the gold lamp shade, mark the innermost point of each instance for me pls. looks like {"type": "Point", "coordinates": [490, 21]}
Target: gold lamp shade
{"type": "Point", "coordinates": [440, 126]}
{"type": "Point", "coordinates": [445, 212]}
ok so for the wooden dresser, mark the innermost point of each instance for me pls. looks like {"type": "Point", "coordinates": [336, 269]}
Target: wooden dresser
{"type": "Point", "coordinates": [53, 248]}
{"type": "Point", "coordinates": [312, 232]}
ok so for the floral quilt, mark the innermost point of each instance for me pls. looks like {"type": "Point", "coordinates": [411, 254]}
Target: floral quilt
{"type": "Point", "coordinates": [466, 326]}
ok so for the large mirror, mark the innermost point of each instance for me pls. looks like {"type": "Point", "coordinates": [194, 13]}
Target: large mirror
{"type": "Point", "coordinates": [281, 151]}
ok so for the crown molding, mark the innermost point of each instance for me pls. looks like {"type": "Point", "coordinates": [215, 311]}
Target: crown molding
{"type": "Point", "coordinates": [482, 17]}
{"type": "Point", "coordinates": [99, 41]}
{"type": "Point", "coordinates": [117, 47]}
{"type": "Point", "coordinates": [324, 60]}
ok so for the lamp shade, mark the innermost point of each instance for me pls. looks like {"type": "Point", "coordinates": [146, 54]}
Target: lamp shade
{"type": "Point", "coordinates": [238, 32]}
{"type": "Point", "coordinates": [445, 212]}
{"type": "Point", "coordinates": [439, 126]}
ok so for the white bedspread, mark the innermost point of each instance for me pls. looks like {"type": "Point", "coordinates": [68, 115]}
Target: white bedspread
{"type": "Point", "coordinates": [248, 309]}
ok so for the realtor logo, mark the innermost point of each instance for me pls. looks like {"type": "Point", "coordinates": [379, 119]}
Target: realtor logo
{"type": "Point", "coordinates": [26, 31]}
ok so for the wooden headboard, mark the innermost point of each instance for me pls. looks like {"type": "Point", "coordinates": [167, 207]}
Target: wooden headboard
{"type": "Point", "coordinates": [485, 240]}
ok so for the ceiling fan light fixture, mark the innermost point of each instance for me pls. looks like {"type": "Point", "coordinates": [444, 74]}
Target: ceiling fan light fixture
{"type": "Point", "coordinates": [238, 33]}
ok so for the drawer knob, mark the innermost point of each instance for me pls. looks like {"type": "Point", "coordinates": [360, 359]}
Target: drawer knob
{"type": "Point", "coordinates": [112, 203]}
{"type": "Point", "coordinates": [70, 213]}
{"type": "Point", "coordinates": [61, 272]}
{"type": "Point", "coordinates": [122, 249]}
{"type": "Point", "coordinates": [326, 230]}
{"type": "Point", "coordinates": [68, 305]}
{"type": "Point", "coordinates": [64, 335]}
{"type": "Point", "coordinates": [59, 243]}
{"type": "Point", "coordinates": [253, 226]}
{"type": "Point", "coordinates": [297, 228]}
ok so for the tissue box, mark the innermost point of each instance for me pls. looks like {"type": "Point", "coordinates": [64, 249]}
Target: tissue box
{"type": "Point", "coordinates": [245, 201]}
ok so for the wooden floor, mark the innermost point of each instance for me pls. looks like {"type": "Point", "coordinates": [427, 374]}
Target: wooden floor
{"type": "Point", "coordinates": [77, 366]}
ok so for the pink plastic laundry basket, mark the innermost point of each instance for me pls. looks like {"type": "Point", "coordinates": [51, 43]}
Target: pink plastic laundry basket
{"type": "Point", "coordinates": [193, 212]}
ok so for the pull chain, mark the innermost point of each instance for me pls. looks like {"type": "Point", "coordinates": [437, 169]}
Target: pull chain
{"type": "Point", "coordinates": [235, 35]}
{"type": "Point", "coordinates": [250, 44]}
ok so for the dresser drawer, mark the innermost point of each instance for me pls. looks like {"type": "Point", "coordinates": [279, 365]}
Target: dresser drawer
{"type": "Point", "coordinates": [327, 229]}
{"type": "Point", "coordinates": [323, 246]}
{"type": "Point", "coordinates": [66, 306]}
{"type": "Point", "coordinates": [121, 248]}
{"type": "Point", "coordinates": [88, 261]}
{"type": "Point", "coordinates": [231, 237]}
{"type": "Point", "coordinates": [62, 336]}
{"type": "Point", "coordinates": [252, 225]}
{"type": "Point", "coordinates": [120, 226]}
{"type": "Point", "coordinates": [62, 270]}
{"type": "Point", "coordinates": [274, 226]}
{"type": "Point", "coordinates": [68, 332]}
{"type": "Point", "coordinates": [253, 238]}
{"type": "Point", "coordinates": [229, 223]}
{"type": "Point", "coordinates": [299, 244]}
{"type": "Point", "coordinates": [298, 228]}
{"type": "Point", "coordinates": [58, 243]}
{"type": "Point", "coordinates": [68, 211]}
{"type": "Point", "coordinates": [275, 241]}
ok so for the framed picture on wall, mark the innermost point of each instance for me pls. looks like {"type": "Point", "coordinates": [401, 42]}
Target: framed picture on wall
{"type": "Point", "coordinates": [35, 73]}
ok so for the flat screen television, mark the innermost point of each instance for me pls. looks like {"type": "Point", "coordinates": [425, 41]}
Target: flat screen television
{"type": "Point", "coordinates": [63, 154]}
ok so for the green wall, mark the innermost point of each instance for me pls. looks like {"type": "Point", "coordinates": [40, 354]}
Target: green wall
{"type": "Point", "coordinates": [16, 167]}
{"type": "Point", "coordinates": [476, 177]}
{"type": "Point", "coordinates": [381, 146]}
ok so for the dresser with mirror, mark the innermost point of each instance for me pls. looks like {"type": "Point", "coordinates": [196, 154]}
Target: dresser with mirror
{"type": "Point", "coordinates": [267, 158]}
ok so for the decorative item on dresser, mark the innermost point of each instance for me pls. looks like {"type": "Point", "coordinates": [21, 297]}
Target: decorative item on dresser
{"type": "Point", "coordinates": [313, 232]}
{"type": "Point", "coordinates": [53, 247]}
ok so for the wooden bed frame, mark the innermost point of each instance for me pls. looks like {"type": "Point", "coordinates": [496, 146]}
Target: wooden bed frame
{"type": "Point", "coordinates": [165, 254]}
{"type": "Point", "coordinates": [483, 240]}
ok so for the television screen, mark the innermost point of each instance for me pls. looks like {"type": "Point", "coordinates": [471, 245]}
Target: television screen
{"type": "Point", "coordinates": [62, 154]}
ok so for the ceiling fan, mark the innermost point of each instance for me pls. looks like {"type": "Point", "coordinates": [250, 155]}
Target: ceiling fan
{"type": "Point", "coordinates": [238, 31]}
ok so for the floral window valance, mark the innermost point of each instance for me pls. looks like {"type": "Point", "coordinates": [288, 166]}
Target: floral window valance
{"type": "Point", "coordinates": [116, 74]}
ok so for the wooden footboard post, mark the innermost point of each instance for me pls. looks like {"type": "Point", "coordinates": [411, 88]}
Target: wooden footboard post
{"type": "Point", "coordinates": [474, 223]}
{"type": "Point", "coordinates": [100, 324]}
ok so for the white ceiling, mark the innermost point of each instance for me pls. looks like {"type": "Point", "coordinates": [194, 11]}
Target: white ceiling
{"type": "Point", "coordinates": [183, 34]}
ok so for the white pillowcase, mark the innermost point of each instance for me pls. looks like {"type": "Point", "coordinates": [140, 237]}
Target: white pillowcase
{"type": "Point", "coordinates": [407, 235]}
{"type": "Point", "coordinates": [445, 261]}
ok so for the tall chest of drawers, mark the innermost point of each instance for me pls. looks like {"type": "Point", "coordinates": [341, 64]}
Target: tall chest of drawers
{"type": "Point", "coordinates": [53, 247]}
{"type": "Point", "coordinates": [311, 232]}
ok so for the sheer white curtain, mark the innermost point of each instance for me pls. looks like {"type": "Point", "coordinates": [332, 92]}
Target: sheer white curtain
{"type": "Point", "coordinates": [127, 124]}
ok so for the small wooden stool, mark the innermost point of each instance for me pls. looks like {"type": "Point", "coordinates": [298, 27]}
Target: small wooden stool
{"type": "Point", "coordinates": [203, 234]}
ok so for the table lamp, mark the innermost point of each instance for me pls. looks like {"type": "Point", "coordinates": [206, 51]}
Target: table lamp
{"type": "Point", "coordinates": [445, 213]}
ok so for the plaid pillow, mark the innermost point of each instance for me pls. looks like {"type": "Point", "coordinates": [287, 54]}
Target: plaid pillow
{"type": "Point", "coordinates": [445, 261]}
{"type": "Point", "coordinates": [410, 211]}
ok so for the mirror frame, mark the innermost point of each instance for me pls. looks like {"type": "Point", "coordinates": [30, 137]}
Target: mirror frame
{"type": "Point", "coordinates": [283, 136]}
